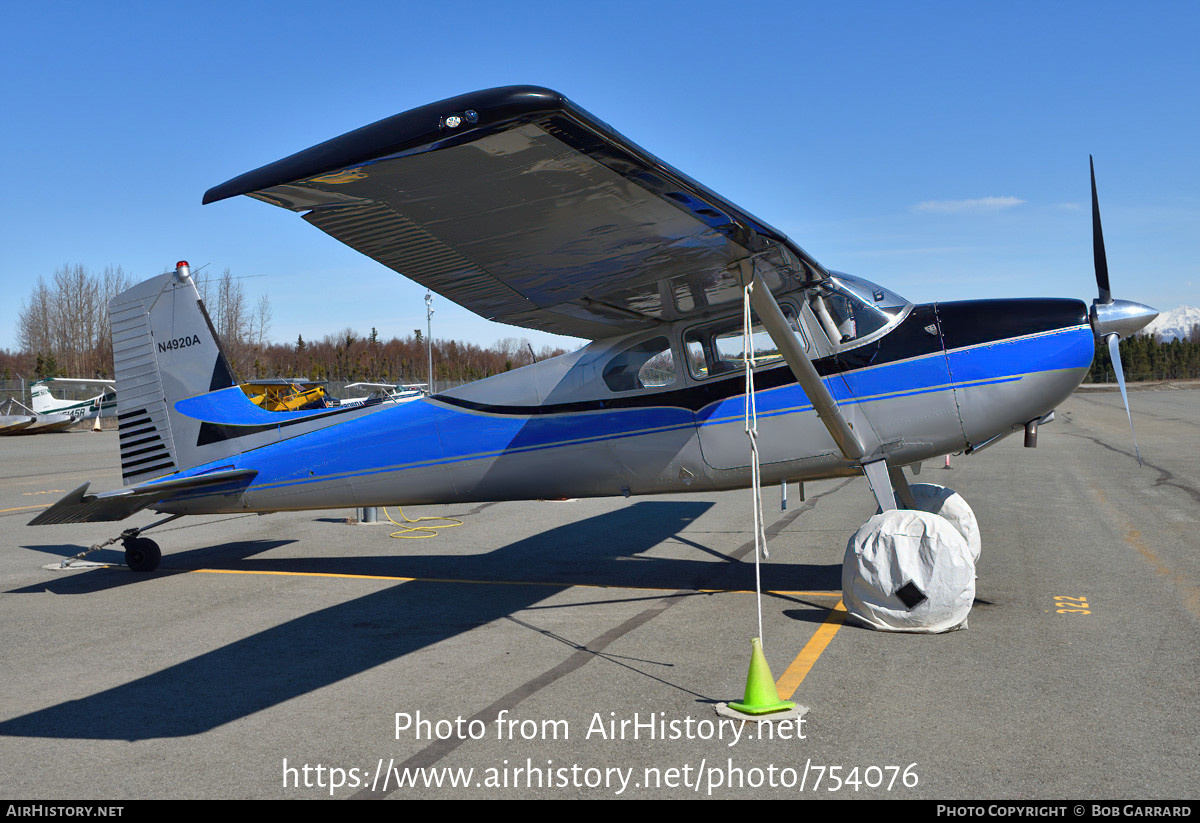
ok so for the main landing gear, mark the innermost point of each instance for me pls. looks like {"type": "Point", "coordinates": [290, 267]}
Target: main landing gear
{"type": "Point", "coordinates": [911, 567]}
{"type": "Point", "coordinates": [141, 553]}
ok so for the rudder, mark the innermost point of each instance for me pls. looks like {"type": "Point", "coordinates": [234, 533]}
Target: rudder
{"type": "Point", "coordinates": [164, 350]}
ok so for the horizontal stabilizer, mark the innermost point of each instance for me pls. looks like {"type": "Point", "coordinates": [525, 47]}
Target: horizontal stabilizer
{"type": "Point", "coordinates": [81, 507]}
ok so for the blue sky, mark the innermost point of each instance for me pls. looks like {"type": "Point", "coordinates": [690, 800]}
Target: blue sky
{"type": "Point", "coordinates": [939, 148]}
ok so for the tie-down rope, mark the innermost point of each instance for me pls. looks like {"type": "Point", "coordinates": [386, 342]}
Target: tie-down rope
{"type": "Point", "coordinates": [760, 532]}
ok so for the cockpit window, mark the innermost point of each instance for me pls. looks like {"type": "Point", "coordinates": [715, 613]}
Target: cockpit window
{"type": "Point", "coordinates": [851, 310]}
{"type": "Point", "coordinates": [720, 348]}
{"type": "Point", "coordinates": [645, 365]}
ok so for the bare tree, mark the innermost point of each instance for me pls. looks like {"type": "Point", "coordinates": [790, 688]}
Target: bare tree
{"type": "Point", "coordinates": [33, 321]}
{"type": "Point", "coordinates": [66, 320]}
{"type": "Point", "coordinates": [262, 321]}
{"type": "Point", "coordinates": [114, 282]}
{"type": "Point", "coordinates": [242, 331]}
{"type": "Point", "coordinates": [516, 350]}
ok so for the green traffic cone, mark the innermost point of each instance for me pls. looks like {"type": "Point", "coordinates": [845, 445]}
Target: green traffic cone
{"type": "Point", "coordinates": [761, 695]}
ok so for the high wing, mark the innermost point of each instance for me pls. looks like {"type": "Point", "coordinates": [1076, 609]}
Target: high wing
{"type": "Point", "coordinates": [77, 381]}
{"type": "Point", "coordinates": [524, 208]}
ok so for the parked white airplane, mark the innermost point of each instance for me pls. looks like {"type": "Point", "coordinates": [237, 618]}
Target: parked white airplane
{"type": "Point", "coordinates": [102, 405]}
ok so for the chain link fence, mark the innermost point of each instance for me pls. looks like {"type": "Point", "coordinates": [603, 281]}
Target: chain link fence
{"type": "Point", "coordinates": [14, 388]}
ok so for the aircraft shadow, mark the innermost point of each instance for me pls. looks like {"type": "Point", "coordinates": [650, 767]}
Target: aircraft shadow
{"type": "Point", "coordinates": [571, 566]}
{"type": "Point", "coordinates": [331, 644]}
{"type": "Point", "coordinates": [95, 580]}
{"type": "Point", "coordinates": [816, 614]}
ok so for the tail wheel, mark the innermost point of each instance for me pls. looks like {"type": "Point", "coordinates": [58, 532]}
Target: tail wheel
{"type": "Point", "coordinates": [142, 554]}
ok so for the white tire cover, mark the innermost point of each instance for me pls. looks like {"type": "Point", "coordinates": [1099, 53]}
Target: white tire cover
{"type": "Point", "coordinates": [948, 503]}
{"type": "Point", "coordinates": [908, 571]}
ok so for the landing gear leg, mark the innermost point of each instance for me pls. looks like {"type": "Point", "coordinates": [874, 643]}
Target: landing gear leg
{"type": "Point", "coordinates": [888, 485]}
{"type": "Point", "coordinates": [878, 476]}
{"type": "Point", "coordinates": [904, 495]}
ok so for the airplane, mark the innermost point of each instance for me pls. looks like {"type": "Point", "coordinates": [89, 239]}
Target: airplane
{"type": "Point", "coordinates": [521, 206]}
{"type": "Point", "coordinates": [282, 394]}
{"type": "Point", "coordinates": [285, 395]}
{"type": "Point", "coordinates": [393, 391]}
{"type": "Point", "coordinates": [102, 405]}
{"type": "Point", "coordinates": [15, 420]}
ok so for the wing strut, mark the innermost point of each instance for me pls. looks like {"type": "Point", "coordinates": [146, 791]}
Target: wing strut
{"type": "Point", "coordinates": [773, 321]}
{"type": "Point", "coordinates": [848, 440]}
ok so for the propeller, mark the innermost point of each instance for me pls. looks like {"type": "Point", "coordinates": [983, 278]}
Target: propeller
{"type": "Point", "coordinates": [1111, 319]}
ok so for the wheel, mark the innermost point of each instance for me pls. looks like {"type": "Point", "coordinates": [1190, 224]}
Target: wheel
{"type": "Point", "coordinates": [908, 570]}
{"type": "Point", "coordinates": [142, 554]}
{"type": "Point", "coordinates": [949, 504]}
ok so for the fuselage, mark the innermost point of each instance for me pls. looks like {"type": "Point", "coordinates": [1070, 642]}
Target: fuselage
{"type": "Point", "coordinates": [102, 405]}
{"type": "Point", "coordinates": [939, 378]}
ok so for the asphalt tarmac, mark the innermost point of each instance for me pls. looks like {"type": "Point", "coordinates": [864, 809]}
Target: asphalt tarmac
{"type": "Point", "coordinates": [576, 648]}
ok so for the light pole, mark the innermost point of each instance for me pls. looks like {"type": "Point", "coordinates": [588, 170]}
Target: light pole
{"type": "Point", "coordinates": [429, 334]}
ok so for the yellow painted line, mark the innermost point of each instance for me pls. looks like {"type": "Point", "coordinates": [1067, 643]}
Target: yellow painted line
{"type": "Point", "coordinates": [19, 508]}
{"type": "Point", "coordinates": [837, 594]}
{"type": "Point", "coordinates": [791, 679]}
{"type": "Point", "coordinates": [1188, 588]}
{"type": "Point", "coordinates": [308, 574]}
{"type": "Point", "coordinates": [506, 582]}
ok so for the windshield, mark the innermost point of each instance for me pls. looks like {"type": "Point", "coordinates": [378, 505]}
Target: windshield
{"type": "Point", "coordinates": [852, 310]}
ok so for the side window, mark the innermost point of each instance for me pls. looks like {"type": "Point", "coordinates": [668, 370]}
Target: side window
{"type": "Point", "coordinates": [644, 365]}
{"type": "Point", "coordinates": [720, 349]}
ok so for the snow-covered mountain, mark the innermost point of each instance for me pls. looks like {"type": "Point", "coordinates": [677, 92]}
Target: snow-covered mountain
{"type": "Point", "coordinates": [1174, 324]}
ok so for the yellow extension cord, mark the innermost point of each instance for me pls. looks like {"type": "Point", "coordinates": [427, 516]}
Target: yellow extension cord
{"type": "Point", "coordinates": [414, 532]}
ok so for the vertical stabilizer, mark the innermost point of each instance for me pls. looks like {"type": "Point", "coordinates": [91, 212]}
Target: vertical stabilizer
{"type": "Point", "coordinates": [164, 350]}
{"type": "Point", "coordinates": [40, 398]}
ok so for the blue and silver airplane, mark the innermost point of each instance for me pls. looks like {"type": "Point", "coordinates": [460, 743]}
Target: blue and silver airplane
{"type": "Point", "coordinates": [526, 209]}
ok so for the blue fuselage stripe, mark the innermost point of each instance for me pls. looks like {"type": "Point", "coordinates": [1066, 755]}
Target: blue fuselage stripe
{"type": "Point", "coordinates": [427, 433]}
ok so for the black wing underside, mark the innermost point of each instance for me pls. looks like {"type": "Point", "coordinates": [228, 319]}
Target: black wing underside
{"type": "Point", "coordinates": [525, 209]}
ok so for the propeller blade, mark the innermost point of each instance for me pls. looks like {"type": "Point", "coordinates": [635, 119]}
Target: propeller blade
{"type": "Point", "coordinates": [1114, 351]}
{"type": "Point", "coordinates": [1098, 242]}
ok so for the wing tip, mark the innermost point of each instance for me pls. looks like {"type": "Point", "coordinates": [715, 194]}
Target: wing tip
{"type": "Point", "coordinates": [401, 131]}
